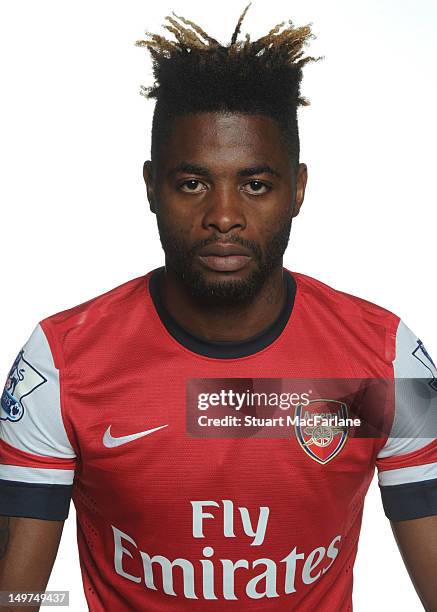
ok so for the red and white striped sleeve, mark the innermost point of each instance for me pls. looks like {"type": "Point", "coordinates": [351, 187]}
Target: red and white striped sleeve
{"type": "Point", "coordinates": [407, 463]}
{"type": "Point", "coordinates": [37, 461]}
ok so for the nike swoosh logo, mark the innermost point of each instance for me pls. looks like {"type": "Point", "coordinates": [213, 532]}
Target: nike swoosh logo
{"type": "Point", "coordinates": [109, 441]}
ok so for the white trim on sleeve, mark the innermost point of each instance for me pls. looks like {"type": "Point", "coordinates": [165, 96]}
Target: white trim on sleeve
{"type": "Point", "coordinates": [36, 475]}
{"type": "Point", "coordinates": [417, 473]}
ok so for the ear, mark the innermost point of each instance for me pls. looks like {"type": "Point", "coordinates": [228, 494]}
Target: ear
{"type": "Point", "coordinates": [148, 179]}
{"type": "Point", "coordinates": [301, 181]}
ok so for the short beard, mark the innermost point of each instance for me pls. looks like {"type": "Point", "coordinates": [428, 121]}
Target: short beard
{"type": "Point", "coordinates": [179, 260]}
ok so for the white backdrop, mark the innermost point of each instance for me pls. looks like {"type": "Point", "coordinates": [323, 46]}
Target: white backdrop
{"type": "Point", "coordinates": [75, 221]}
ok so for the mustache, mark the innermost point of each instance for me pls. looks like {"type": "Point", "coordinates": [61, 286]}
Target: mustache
{"type": "Point", "coordinates": [253, 247]}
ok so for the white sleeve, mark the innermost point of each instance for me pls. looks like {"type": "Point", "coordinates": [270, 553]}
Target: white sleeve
{"type": "Point", "coordinates": [407, 463]}
{"type": "Point", "coordinates": [37, 460]}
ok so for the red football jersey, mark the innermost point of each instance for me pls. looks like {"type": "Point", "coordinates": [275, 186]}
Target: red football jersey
{"type": "Point", "coordinates": [97, 408]}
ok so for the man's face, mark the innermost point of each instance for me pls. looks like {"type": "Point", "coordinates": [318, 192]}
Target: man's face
{"type": "Point", "coordinates": [224, 193]}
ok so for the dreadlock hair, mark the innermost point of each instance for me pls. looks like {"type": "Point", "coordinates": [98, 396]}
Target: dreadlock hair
{"type": "Point", "coordinates": [195, 73]}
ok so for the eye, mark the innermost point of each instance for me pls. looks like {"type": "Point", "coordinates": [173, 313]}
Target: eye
{"type": "Point", "coordinates": [192, 186]}
{"type": "Point", "coordinates": [256, 187]}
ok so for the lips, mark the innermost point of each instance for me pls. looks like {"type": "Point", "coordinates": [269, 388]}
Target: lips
{"type": "Point", "coordinates": [223, 257]}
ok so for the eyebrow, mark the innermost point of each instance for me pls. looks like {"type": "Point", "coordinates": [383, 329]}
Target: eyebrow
{"type": "Point", "coordinates": [190, 168]}
{"type": "Point", "coordinates": [264, 169]}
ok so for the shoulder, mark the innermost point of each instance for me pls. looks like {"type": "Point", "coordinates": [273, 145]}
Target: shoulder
{"type": "Point", "coordinates": [343, 304]}
{"type": "Point", "coordinates": [354, 320]}
{"type": "Point", "coordinates": [96, 315]}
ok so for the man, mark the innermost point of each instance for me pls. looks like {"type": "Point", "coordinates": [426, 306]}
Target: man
{"type": "Point", "coordinates": [102, 402]}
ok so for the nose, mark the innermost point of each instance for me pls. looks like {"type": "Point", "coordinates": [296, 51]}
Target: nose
{"type": "Point", "coordinates": [224, 211]}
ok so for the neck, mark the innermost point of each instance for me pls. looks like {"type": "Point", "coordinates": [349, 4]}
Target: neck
{"type": "Point", "coordinates": [233, 322]}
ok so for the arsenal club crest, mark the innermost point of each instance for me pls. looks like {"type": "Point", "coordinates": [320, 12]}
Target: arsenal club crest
{"type": "Point", "coordinates": [322, 428]}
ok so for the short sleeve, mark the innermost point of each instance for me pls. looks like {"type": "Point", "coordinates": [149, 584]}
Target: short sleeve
{"type": "Point", "coordinates": [37, 461]}
{"type": "Point", "coordinates": [407, 463]}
